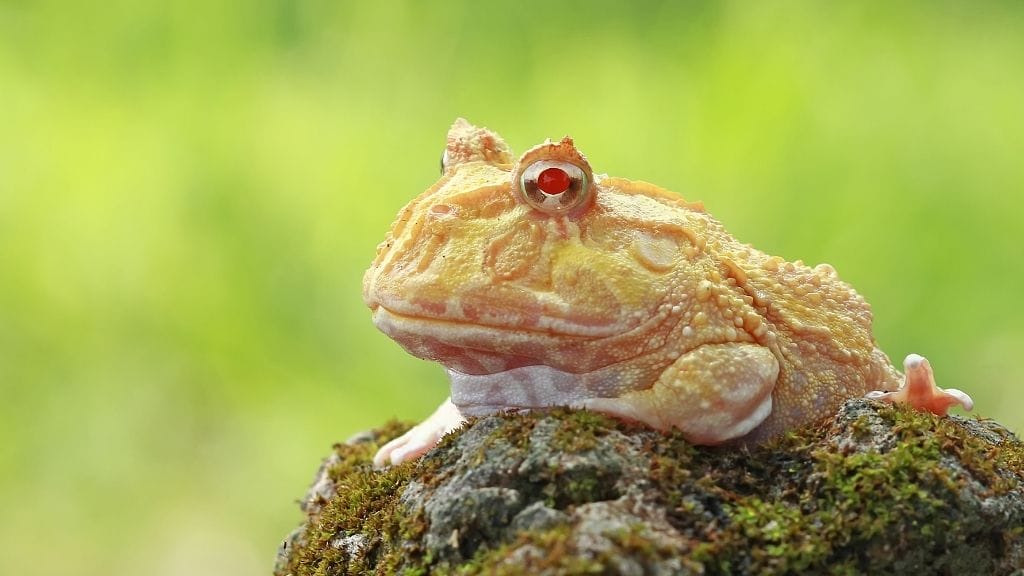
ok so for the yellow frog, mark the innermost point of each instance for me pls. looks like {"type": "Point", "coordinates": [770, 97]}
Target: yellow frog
{"type": "Point", "coordinates": [537, 283]}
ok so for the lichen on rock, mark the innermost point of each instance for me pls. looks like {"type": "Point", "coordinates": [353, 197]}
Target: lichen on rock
{"type": "Point", "coordinates": [877, 489]}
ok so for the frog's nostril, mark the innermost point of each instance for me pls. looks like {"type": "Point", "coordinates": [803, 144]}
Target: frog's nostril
{"type": "Point", "coordinates": [442, 210]}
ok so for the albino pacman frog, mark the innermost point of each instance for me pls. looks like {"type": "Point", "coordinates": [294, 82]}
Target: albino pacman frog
{"type": "Point", "coordinates": [537, 283]}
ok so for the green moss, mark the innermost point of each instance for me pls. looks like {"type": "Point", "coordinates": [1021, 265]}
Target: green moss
{"type": "Point", "coordinates": [554, 551]}
{"type": "Point", "coordinates": [365, 510]}
{"type": "Point", "coordinates": [548, 551]}
{"type": "Point", "coordinates": [800, 504]}
{"type": "Point", "coordinates": [514, 436]}
{"type": "Point", "coordinates": [836, 503]}
{"type": "Point", "coordinates": [988, 462]}
{"type": "Point", "coordinates": [580, 430]}
{"type": "Point", "coordinates": [637, 544]}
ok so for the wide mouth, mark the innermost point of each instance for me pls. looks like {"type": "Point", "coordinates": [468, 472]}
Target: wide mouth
{"type": "Point", "coordinates": [495, 321]}
{"type": "Point", "coordinates": [483, 335]}
{"type": "Point", "coordinates": [469, 348]}
{"type": "Point", "coordinates": [475, 348]}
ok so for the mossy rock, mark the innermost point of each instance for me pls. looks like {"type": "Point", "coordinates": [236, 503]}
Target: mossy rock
{"type": "Point", "coordinates": [878, 489]}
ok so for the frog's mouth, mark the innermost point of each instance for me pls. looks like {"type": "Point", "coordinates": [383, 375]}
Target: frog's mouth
{"type": "Point", "coordinates": [488, 348]}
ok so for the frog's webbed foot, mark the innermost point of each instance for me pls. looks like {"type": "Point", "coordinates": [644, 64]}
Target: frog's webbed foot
{"type": "Point", "coordinates": [421, 438]}
{"type": "Point", "coordinates": [920, 392]}
{"type": "Point", "coordinates": [712, 394]}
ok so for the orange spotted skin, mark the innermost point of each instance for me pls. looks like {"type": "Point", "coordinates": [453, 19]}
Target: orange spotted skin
{"type": "Point", "coordinates": [632, 301]}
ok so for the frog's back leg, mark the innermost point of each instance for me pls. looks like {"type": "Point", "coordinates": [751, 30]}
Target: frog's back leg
{"type": "Point", "coordinates": [714, 393]}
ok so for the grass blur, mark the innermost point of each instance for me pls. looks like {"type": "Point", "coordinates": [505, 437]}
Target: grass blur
{"type": "Point", "coordinates": [190, 192]}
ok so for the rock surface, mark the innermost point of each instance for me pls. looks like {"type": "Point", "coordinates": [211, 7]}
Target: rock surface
{"type": "Point", "coordinates": [877, 489]}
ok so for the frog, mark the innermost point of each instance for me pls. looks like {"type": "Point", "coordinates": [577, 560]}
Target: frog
{"type": "Point", "coordinates": [537, 283]}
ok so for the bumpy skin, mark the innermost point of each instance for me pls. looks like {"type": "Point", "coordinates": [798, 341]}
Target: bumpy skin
{"type": "Point", "coordinates": [635, 303]}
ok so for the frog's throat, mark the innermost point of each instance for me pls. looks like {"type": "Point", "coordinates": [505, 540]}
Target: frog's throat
{"type": "Point", "coordinates": [529, 387]}
{"type": "Point", "coordinates": [536, 387]}
{"type": "Point", "coordinates": [615, 390]}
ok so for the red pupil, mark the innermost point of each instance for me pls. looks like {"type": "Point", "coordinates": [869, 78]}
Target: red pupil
{"type": "Point", "coordinates": [553, 180]}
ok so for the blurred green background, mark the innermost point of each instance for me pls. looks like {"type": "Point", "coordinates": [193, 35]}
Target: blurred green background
{"type": "Point", "coordinates": [190, 193]}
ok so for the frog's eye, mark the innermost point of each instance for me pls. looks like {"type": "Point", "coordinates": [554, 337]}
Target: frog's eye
{"type": "Point", "coordinates": [553, 187]}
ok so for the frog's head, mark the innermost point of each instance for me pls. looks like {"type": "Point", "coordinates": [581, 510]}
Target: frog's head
{"type": "Point", "coordinates": [504, 264]}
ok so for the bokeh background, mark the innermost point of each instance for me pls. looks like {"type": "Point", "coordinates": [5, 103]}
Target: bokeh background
{"type": "Point", "coordinates": [190, 192]}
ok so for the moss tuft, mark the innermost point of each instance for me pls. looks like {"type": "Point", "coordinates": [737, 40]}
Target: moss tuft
{"type": "Point", "coordinates": [357, 530]}
{"type": "Point", "coordinates": [547, 552]}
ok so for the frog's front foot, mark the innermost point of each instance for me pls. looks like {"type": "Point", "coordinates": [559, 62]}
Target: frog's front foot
{"type": "Point", "coordinates": [920, 392]}
{"type": "Point", "coordinates": [421, 437]}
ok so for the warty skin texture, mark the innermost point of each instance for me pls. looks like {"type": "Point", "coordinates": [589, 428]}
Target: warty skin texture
{"type": "Point", "coordinates": [622, 298]}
